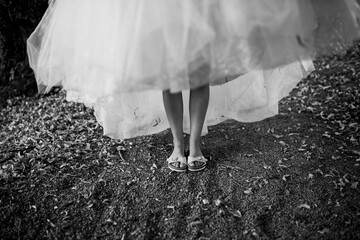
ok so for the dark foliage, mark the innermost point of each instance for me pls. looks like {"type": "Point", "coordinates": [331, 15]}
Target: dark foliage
{"type": "Point", "coordinates": [18, 18]}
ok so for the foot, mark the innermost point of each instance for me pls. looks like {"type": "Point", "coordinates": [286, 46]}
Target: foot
{"type": "Point", "coordinates": [196, 163]}
{"type": "Point", "coordinates": [177, 163]}
{"type": "Point", "coordinates": [195, 152]}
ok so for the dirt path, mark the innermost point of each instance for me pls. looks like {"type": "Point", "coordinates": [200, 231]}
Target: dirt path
{"type": "Point", "coordinates": [294, 176]}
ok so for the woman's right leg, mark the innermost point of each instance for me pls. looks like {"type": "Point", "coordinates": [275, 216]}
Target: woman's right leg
{"type": "Point", "coordinates": [173, 104]}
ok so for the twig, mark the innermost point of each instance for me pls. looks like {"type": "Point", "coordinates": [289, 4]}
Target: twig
{"type": "Point", "coordinates": [231, 167]}
{"type": "Point", "coordinates": [19, 150]}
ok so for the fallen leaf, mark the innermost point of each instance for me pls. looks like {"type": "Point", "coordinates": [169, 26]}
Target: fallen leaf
{"type": "Point", "coordinates": [354, 184]}
{"type": "Point", "coordinates": [217, 202]}
{"type": "Point", "coordinates": [285, 177]}
{"type": "Point", "coordinates": [304, 206]}
{"type": "Point", "coordinates": [192, 224]}
{"type": "Point", "coordinates": [205, 201]}
{"type": "Point", "coordinates": [325, 230]}
{"type": "Point", "coordinates": [248, 191]}
{"type": "Point", "coordinates": [237, 213]}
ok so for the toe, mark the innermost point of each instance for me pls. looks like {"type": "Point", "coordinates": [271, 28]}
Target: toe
{"type": "Point", "coordinates": [176, 164]}
{"type": "Point", "coordinates": [196, 164]}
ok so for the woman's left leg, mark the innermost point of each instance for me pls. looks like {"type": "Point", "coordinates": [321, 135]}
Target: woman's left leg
{"type": "Point", "coordinates": [198, 104]}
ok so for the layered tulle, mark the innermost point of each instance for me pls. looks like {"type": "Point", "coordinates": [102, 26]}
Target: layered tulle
{"type": "Point", "coordinates": [251, 97]}
{"type": "Point", "coordinates": [117, 55]}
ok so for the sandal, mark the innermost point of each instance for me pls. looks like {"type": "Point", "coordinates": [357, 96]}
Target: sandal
{"type": "Point", "coordinates": [174, 167]}
{"type": "Point", "coordinates": [192, 167]}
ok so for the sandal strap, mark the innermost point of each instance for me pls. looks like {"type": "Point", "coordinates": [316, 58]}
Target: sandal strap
{"type": "Point", "coordinates": [176, 160]}
{"type": "Point", "coordinates": [197, 159]}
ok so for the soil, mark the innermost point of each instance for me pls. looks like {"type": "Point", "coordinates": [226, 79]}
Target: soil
{"type": "Point", "coordinates": [292, 176]}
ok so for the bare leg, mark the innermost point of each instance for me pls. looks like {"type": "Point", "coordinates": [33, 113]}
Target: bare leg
{"type": "Point", "coordinates": [173, 104]}
{"type": "Point", "coordinates": [199, 101]}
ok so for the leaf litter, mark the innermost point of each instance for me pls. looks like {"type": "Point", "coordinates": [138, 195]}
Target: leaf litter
{"type": "Point", "coordinates": [295, 175]}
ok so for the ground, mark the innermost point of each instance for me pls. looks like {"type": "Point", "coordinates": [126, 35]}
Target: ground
{"type": "Point", "coordinates": [292, 176]}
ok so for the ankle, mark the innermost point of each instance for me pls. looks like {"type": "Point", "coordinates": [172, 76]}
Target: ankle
{"type": "Point", "coordinates": [195, 150]}
{"type": "Point", "coordinates": [178, 145]}
{"type": "Point", "coordinates": [178, 150]}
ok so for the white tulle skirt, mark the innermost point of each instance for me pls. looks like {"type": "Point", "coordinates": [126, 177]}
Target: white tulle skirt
{"type": "Point", "coordinates": [118, 55]}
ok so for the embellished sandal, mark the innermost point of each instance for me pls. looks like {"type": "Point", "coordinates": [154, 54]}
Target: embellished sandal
{"type": "Point", "coordinates": [200, 159]}
{"type": "Point", "coordinates": [176, 160]}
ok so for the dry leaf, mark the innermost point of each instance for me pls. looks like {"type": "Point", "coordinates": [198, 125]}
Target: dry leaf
{"type": "Point", "coordinates": [304, 206]}
{"type": "Point", "coordinates": [354, 184]}
{"type": "Point", "coordinates": [248, 191]}
{"type": "Point", "coordinates": [285, 177]}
